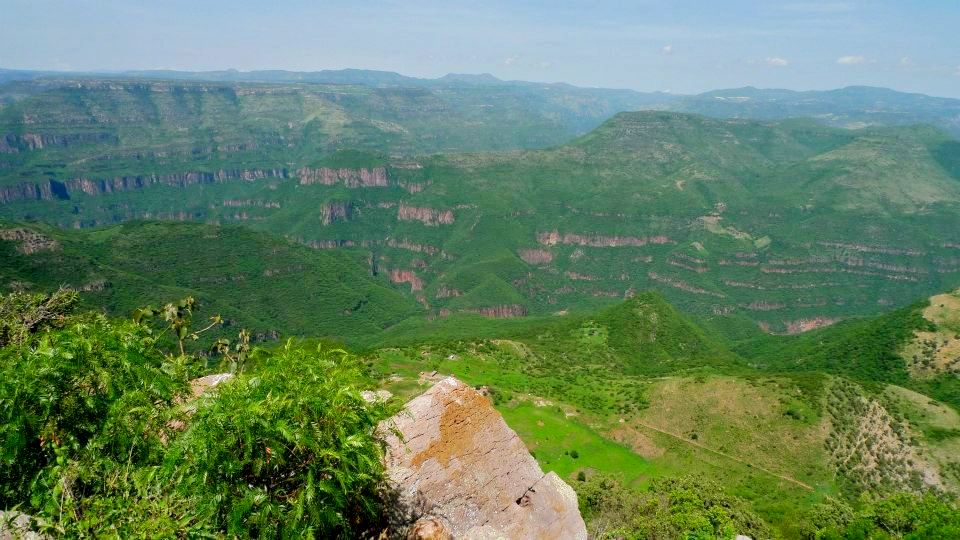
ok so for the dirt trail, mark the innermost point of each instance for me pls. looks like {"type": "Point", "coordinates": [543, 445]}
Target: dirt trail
{"type": "Point", "coordinates": [728, 456]}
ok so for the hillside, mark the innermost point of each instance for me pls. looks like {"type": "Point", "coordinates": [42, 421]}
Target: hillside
{"type": "Point", "coordinates": [642, 393]}
{"type": "Point", "coordinates": [790, 224]}
{"type": "Point", "coordinates": [255, 281]}
{"type": "Point", "coordinates": [850, 107]}
{"type": "Point", "coordinates": [650, 422]}
{"type": "Point", "coordinates": [637, 394]}
{"type": "Point", "coordinates": [914, 347]}
{"type": "Point", "coordinates": [89, 125]}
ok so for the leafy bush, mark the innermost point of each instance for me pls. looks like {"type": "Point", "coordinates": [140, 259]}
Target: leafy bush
{"type": "Point", "coordinates": [94, 390]}
{"type": "Point", "coordinates": [287, 450]}
{"type": "Point", "coordinates": [99, 437]}
{"type": "Point", "coordinates": [901, 515]}
{"type": "Point", "coordinates": [23, 314]}
{"type": "Point", "coordinates": [686, 507]}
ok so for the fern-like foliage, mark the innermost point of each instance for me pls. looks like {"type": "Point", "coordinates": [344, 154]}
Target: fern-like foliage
{"type": "Point", "coordinates": [286, 450]}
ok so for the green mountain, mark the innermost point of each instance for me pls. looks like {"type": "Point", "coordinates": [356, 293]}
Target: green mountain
{"type": "Point", "coordinates": [132, 124]}
{"type": "Point", "coordinates": [789, 224]}
{"type": "Point", "coordinates": [642, 392]}
{"type": "Point", "coordinates": [618, 283]}
{"type": "Point", "coordinates": [636, 391]}
{"type": "Point", "coordinates": [850, 107]}
{"type": "Point", "coordinates": [256, 281]}
{"type": "Point", "coordinates": [915, 346]}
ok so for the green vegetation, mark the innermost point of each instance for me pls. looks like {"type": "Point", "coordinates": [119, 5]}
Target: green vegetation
{"type": "Point", "coordinates": [286, 450]}
{"type": "Point", "coordinates": [622, 293]}
{"type": "Point", "coordinates": [640, 391]}
{"type": "Point", "coordinates": [266, 284]}
{"type": "Point", "coordinates": [685, 507]}
{"type": "Point", "coordinates": [568, 447]}
{"type": "Point", "coordinates": [101, 437]}
{"type": "Point", "coordinates": [898, 516]}
{"type": "Point", "coordinates": [637, 392]}
{"type": "Point", "coordinates": [866, 349]}
{"type": "Point", "coordinates": [789, 223]}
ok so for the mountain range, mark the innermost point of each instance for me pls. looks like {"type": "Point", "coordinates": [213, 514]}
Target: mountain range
{"type": "Point", "coordinates": [472, 195]}
{"type": "Point", "coordinates": [755, 287]}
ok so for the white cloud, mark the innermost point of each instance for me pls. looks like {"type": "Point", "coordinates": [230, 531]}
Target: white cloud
{"type": "Point", "coordinates": [776, 61]}
{"type": "Point", "coordinates": [906, 61]}
{"type": "Point", "coordinates": [851, 60]}
{"type": "Point", "coordinates": [667, 49]}
{"type": "Point", "coordinates": [510, 60]}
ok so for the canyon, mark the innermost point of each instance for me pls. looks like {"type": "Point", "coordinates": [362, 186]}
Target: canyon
{"type": "Point", "coordinates": [610, 219]}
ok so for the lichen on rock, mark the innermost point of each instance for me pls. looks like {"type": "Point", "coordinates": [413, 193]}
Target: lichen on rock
{"type": "Point", "coordinates": [450, 454]}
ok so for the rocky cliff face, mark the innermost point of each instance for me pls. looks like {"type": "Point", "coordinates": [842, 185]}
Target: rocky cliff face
{"type": "Point", "coordinates": [336, 211]}
{"type": "Point", "coordinates": [54, 189]}
{"type": "Point", "coordinates": [428, 216]}
{"type": "Point", "coordinates": [552, 238]}
{"type": "Point", "coordinates": [351, 178]}
{"type": "Point", "coordinates": [12, 143]}
{"type": "Point", "coordinates": [504, 311]}
{"type": "Point", "coordinates": [536, 256]}
{"type": "Point", "coordinates": [30, 191]}
{"type": "Point", "coordinates": [29, 242]}
{"type": "Point", "coordinates": [407, 276]}
{"type": "Point", "coordinates": [457, 463]}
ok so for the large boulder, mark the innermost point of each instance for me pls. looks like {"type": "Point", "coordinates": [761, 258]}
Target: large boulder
{"type": "Point", "coordinates": [451, 455]}
{"type": "Point", "coordinates": [17, 526]}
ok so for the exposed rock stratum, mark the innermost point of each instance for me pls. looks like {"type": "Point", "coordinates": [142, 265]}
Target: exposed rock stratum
{"type": "Point", "coordinates": [455, 458]}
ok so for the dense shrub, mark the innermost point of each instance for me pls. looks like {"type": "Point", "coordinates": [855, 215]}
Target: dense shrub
{"type": "Point", "coordinates": [23, 314]}
{"type": "Point", "coordinates": [901, 515]}
{"type": "Point", "coordinates": [99, 437]}
{"type": "Point", "coordinates": [96, 390]}
{"type": "Point", "coordinates": [287, 450]}
{"type": "Point", "coordinates": [686, 507]}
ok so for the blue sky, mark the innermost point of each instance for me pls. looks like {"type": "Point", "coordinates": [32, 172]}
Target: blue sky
{"type": "Point", "coordinates": [645, 45]}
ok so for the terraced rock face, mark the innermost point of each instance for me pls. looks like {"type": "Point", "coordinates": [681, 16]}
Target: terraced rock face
{"type": "Point", "coordinates": [790, 225]}
{"type": "Point", "coordinates": [458, 460]}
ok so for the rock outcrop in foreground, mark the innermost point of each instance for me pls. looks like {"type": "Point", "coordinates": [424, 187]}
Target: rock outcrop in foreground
{"type": "Point", "coordinates": [461, 466]}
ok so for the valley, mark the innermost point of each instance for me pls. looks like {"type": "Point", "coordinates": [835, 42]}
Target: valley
{"type": "Point", "coordinates": [737, 310]}
{"type": "Point", "coordinates": [787, 224]}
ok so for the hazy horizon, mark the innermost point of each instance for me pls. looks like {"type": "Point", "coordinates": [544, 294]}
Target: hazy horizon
{"type": "Point", "coordinates": [128, 72]}
{"type": "Point", "coordinates": [683, 47]}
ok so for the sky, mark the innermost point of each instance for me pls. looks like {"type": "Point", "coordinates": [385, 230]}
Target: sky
{"type": "Point", "coordinates": [647, 45]}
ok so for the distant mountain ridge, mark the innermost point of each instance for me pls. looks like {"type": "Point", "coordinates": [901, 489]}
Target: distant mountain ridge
{"type": "Point", "coordinates": [848, 107]}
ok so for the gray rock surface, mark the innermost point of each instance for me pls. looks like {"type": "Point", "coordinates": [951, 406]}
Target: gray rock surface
{"type": "Point", "coordinates": [17, 526]}
{"type": "Point", "coordinates": [458, 460]}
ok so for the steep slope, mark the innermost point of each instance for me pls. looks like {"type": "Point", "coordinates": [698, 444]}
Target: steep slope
{"type": "Point", "coordinates": [791, 224]}
{"type": "Point", "coordinates": [643, 393]}
{"type": "Point", "coordinates": [128, 124]}
{"type": "Point", "coordinates": [912, 347]}
{"type": "Point", "coordinates": [880, 172]}
{"type": "Point", "coordinates": [254, 280]}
